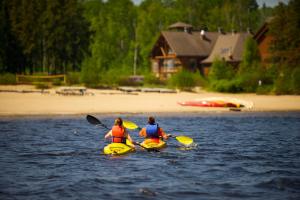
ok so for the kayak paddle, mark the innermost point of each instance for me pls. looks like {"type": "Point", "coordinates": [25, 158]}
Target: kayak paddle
{"type": "Point", "coordinates": [93, 120]}
{"type": "Point", "coordinates": [182, 139]}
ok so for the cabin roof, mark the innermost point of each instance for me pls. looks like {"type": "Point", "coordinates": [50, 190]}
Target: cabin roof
{"type": "Point", "coordinates": [263, 29]}
{"type": "Point", "coordinates": [229, 47]}
{"type": "Point", "coordinates": [190, 44]}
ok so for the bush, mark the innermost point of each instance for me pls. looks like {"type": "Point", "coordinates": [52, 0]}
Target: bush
{"type": "Point", "coordinates": [7, 79]}
{"type": "Point", "coordinates": [264, 89]}
{"type": "Point", "coordinates": [295, 81]}
{"type": "Point", "coordinates": [73, 78]}
{"type": "Point", "coordinates": [220, 70]}
{"type": "Point", "coordinates": [150, 79]}
{"type": "Point", "coordinates": [232, 86]}
{"type": "Point", "coordinates": [42, 86]}
{"type": "Point", "coordinates": [248, 82]}
{"type": "Point", "coordinates": [185, 80]}
{"type": "Point", "coordinates": [284, 82]}
{"type": "Point", "coordinates": [57, 82]}
{"type": "Point", "coordinates": [90, 75]}
{"type": "Point", "coordinates": [270, 74]}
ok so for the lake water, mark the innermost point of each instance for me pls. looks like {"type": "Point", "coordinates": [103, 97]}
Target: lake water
{"type": "Point", "coordinates": [237, 156]}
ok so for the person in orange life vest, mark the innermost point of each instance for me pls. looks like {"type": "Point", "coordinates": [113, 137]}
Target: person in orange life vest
{"type": "Point", "coordinates": [118, 133]}
{"type": "Point", "coordinates": [153, 131]}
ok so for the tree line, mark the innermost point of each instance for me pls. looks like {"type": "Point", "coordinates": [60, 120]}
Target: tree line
{"type": "Point", "coordinates": [43, 36]}
{"type": "Point", "coordinates": [98, 40]}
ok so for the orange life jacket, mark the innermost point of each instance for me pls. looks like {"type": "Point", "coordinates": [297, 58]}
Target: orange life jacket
{"type": "Point", "coordinates": [118, 134]}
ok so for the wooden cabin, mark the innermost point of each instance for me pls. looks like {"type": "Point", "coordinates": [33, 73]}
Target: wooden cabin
{"type": "Point", "coordinates": [264, 40]}
{"type": "Point", "coordinates": [182, 48]}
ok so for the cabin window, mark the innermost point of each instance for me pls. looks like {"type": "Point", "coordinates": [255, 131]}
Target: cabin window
{"type": "Point", "coordinates": [170, 51]}
{"type": "Point", "coordinates": [169, 63]}
{"type": "Point", "coordinates": [224, 51]}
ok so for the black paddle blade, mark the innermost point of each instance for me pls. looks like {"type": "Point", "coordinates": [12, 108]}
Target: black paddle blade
{"type": "Point", "coordinates": [92, 120]}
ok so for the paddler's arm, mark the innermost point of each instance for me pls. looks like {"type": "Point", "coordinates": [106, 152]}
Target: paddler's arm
{"type": "Point", "coordinates": [142, 133]}
{"type": "Point", "coordinates": [129, 138]}
{"type": "Point", "coordinates": [162, 133]}
{"type": "Point", "coordinates": [108, 135]}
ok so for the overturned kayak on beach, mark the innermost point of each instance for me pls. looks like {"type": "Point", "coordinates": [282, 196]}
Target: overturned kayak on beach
{"type": "Point", "coordinates": [218, 102]}
{"type": "Point", "coordinates": [204, 103]}
{"type": "Point", "coordinates": [118, 148]}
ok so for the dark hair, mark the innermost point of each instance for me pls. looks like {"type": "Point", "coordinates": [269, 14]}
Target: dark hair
{"type": "Point", "coordinates": [151, 120]}
{"type": "Point", "coordinates": [119, 121]}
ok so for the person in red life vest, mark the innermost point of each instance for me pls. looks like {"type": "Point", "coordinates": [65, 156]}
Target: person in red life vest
{"type": "Point", "coordinates": [118, 133]}
{"type": "Point", "coordinates": [153, 131]}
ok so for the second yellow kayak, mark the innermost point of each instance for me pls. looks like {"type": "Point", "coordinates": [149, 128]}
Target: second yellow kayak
{"type": "Point", "coordinates": [153, 144]}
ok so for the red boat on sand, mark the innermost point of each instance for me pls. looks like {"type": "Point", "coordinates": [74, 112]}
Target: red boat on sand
{"type": "Point", "coordinates": [206, 103]}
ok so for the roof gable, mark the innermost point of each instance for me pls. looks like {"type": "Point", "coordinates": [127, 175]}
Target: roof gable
{"type": "Point", "coordinates": [229, 47]}
{"type": "Point", "coordinates": [190, 44]}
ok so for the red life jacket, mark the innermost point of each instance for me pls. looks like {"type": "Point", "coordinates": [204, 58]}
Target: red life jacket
{"type": "Point", "coordinates": [118, 134]}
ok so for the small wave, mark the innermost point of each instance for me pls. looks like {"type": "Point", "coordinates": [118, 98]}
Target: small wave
{"type": "Point", "coordinates": [274, 172]}
{"type": "Point", "coordinates": [239, 170]}
{"type": "Point", "coordinates": [187, 193]}
{"type": "Point", "coordinates": [281, 183]}
{"type": "Point", "coordinates": [56, 154]}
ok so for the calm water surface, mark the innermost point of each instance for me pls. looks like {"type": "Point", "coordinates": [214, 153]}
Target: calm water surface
{"type": "Point", "coordinates": [238, 156]}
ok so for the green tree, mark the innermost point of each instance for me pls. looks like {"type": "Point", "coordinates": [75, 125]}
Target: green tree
{"type": "Point", "coordinates": [25, 24]}
{"type": "Point", "coordinates": [250, 71]}
{"type": "Point", "coordinates": [12, 58]}
{"type": "Point", "coordinates": [285, 29]}
{"type": "Point", "coordinates": [151, 17]}
{"type": "Point", "coordinates": [251, 57]}
{"type": "Point", "coordinates": [220, 70]}
{"type": "Point", "coordinates": [285, 46]}
{"type": "Point", "coordinates": [238, 15]}
{"type": "Point", "coordinates": [112, 47]}
{"type": "Point", "coordinates": [66, 35]}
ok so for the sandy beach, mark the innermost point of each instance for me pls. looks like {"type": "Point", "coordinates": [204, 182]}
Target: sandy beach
{"type": "Point", "coordinates": [26, 100]}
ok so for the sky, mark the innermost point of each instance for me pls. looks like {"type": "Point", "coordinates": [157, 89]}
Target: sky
{"type": "Point", "coordinates": [269, 3]}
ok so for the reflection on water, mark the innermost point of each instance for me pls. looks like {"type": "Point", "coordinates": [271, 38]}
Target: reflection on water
{"type": "Point", "coordinates": [240, 156]}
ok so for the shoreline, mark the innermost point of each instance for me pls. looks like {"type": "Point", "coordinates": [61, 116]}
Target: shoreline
{"type": "Point", "coordinates": [156, 114]}
{"type": "Point", "coordinates": [115, 102]}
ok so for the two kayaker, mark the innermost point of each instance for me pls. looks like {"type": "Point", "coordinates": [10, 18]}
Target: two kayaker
{"type": "Point", "coordinates": [118, 133]}
{"type": "Point", "coordinates": [153, 131]}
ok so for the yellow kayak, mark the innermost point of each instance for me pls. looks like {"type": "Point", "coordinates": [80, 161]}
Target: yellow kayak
{"type": "Point", "coordinates": [118, 148]}
{"type": "Point", "coordinates": [153, 144]}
